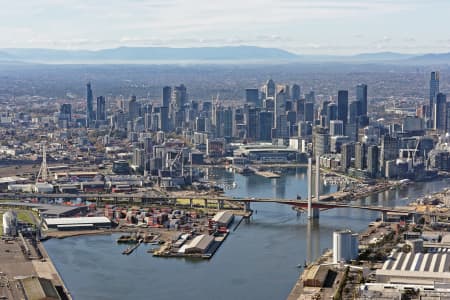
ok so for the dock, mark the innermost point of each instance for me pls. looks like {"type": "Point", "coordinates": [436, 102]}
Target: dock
{"type": "Point", "coordinates": [130, 249]}
{"type": "Point", "coordinates": [267, 174]}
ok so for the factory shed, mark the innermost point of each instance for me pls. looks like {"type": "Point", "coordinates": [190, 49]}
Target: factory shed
{"type": "Point", "coordinates": [78, 223]}
{"type": "Point", "coordinates": [199, 244]}
{"type": "Point", "coordinates": [416, 268]}
{"type": "Point", "coordinates": [223, 218]}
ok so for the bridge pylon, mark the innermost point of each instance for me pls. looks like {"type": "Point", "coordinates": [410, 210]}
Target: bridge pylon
{"type": "Point", "coordinates": [313, 213]}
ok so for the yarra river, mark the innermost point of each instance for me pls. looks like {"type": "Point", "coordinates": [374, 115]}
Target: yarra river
{"type": "Point", "coordinates": [257, 261]}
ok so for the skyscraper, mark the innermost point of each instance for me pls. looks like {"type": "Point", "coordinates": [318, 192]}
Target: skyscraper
{"type": "Point", "coordinates": [440, 113]}
{"type": "Point", "coordinates": [164, 111]}
{"type": "Point", "coordinates": [133, 109]}
{"type": "Point", "coordinates": [434, 90]}
{"type": "Point", "coordinates": [354, 111]}
{"type": "Point", "coordinates": [101, 109]}
{"type": "Point", "coordinates": [372, 160]}
{"type": "Point", "coordinates": [295, 92]}
{"type": "Point", "coordinates": [89, 105]}
{"type": "Point", "coordinates": [342, 104]}
{"type": "Point", "coordinates": [252, 96]}
{"type": "Point", "coordinates": [167, 94]}
{"type": "Point", "coordinates": [265, 125]}
{"type": "Point", "coordinates": [269, 89]}
{"type": "Point", "coordinates": [361, 95]}
{"type": "Point", "coordinates": [280, 120]}
{"type": "Point", "coordinates": [253, 123]}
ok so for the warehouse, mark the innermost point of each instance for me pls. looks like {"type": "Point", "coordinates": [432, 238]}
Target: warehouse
{"type": "Point", "coordinates": [200, 244]}
{"type": "Point", "coordinates": [78, 223]}
{"type": "Point", "coordinates": [416, 268]}
{"type": "Point", "coordinates": [223, 218]}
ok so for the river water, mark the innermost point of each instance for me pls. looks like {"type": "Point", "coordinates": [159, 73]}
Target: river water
{"type": "Point", "coordinates": [257, 261]}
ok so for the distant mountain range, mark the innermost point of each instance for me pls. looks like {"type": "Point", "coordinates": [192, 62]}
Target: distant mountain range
{"type": "Point", "coordinates": [207, 54]}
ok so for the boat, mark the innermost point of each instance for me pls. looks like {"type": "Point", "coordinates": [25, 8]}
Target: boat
{"type": "Point", "coordinates": [299, 266]}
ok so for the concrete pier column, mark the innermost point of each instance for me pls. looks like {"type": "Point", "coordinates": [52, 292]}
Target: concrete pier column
{"type": "Point", "coordinates": [247, 207]}
{"type": "Point", "coordinates": [190, 202]}
{"type": "Point", "coordinates": [309, 174]}
{"type": "Point", "coordinates": [316, 211]}
{"type": "Point", "coordinates": [206, 203]}
{"type": "Point", "coordinates": [383, 216]}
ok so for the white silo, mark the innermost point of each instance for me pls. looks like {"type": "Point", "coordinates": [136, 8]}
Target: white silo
{"type": "Point", "coordinates": [9, 223]}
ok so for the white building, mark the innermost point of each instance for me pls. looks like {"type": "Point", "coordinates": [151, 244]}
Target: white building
{"type": "Point", "coordinates": [345, 246]}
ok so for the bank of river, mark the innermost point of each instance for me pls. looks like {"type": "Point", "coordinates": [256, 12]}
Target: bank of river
{"type": "Point", "coordinates": [258, 261]}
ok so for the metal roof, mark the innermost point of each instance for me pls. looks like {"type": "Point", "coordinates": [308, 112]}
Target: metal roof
{"type": "Point", "coordinates": [418, 262]}
{"type": "Point", "coordinates": [75, 221]}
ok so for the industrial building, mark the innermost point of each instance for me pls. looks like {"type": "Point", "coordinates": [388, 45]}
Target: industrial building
{"type": "Point", "coordinates": [199, 245]}
{"type": "Point", "coordinates": [223, 218]}
{"type": "Point", "coordinates": [345, 246]}
{"type": "Point", "coordinates": [416, 268]}
{"type": "Point", "coordinates": [78, 223]}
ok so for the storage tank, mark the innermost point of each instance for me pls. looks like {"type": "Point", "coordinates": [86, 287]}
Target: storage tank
{"type": "Point", "coordinates": [10, 223]}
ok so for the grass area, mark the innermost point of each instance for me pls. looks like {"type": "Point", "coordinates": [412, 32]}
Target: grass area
{"type": "Point", "coordinates": [1, 223]}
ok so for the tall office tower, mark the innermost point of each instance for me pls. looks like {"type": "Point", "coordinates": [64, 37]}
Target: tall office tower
{"type": "Point", "coordinates": [323, 110]}
{"type": "Point", "coordinates": [309, 112]}
{"type": "Point", "coordinates": [179, 98]}
{"type": "Point", "coordinates": [321, 141]}
{"type": "Point", "coordinates": [265, 125]}
{"type": "Point", "coordinates": [65, 112]}
{"type": "Point", "coordinates": [347, 152]}
{"type": "Point", "coordinates": [134, 109]}
{"type": "Point", "coordinates": [101, 109]}
{"type": "Point", "coordinates": [310, 97]}
{"type": "Point", "coordinates": [89, 105]}
{"type": "Point", "coordinates": [167, 94]}
{"type": "Point", "coordinates": [228, 123]}
{"type": "Point", "coordinates": [389, 150]}
{"type": "Point", "coordinates": [164, 118]}
{"type": "Point", "coordinates": [252, 96]}
{"type": "Point", "coordinates": [434, 90]}
{"type": "Point", "coordinates": [299, 106]}
{"type": "Point", "coordinates": [354, 111]}
{"type": "Point", "coordinates": [440, 114]}
{"type": "Point", "coordinates": [269, 89]}
{"type": "Point", "coordinates": [280, 121]}
{"type": "Point", "coordinates": [148, 120]}
{"type": "Point", "coordinates": [342, 104]}
{"type": "Point", "coordinates": [253, 124]}
{"type": "Point", "coordinates": [200, 124]}
{"type": "Point", "coordinates": [360, 156]}
{"type": "Point", "coordinates": [361, 96]}
{"type": "Point", "coordinates": [372, 160]}
{"type": "Point", "coordinates": [336, 127]}
{"type": "Point", "coordinates": [331, 113]}
{"type": "Point", "coordinates": [295, 92]}
{"type": "Point", "coordinates": [304, 129]}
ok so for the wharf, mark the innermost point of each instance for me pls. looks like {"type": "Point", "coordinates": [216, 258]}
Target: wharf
{"type": "Point", "coordinates": [267, 174]}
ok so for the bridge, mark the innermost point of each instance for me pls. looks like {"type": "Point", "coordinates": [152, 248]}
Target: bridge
{"type": "Point", "coordinates": [326, 201]}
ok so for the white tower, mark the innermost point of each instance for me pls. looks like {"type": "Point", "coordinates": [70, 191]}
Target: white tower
{"type": "Point", "coordinates": [44, 173]}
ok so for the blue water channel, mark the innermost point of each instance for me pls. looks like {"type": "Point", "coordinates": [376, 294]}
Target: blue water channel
{"type": "Point", "coordinates": [257, 261]}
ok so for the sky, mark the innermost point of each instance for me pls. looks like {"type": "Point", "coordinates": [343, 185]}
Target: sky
{"type": "Point", "coordinates": [317, 27]}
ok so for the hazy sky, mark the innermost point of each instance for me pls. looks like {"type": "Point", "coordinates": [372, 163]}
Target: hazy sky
{"type": "Point", "coordinates": [301, 26]}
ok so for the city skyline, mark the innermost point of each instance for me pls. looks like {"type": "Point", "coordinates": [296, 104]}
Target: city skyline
{"type": "Point", "coordinates": [302, 27]}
